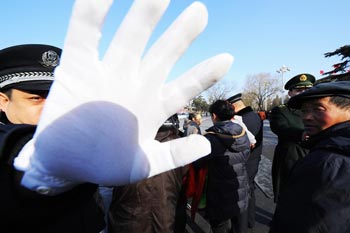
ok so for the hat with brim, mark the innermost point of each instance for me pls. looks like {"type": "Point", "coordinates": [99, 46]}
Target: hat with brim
{"type": "Point", "coordinates": [300, 81]}
{"type": "Point", "coordinates": [28, 67]}
{"type": "Point", "coordinates": [340, 88]}
{"type": "Point", "coordinates": [43, 85]}
{"type": "Point", "coordinates": [235, 98]}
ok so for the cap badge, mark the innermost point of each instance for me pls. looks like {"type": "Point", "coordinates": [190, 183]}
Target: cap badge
{"type": "Point", "coordinates": [50, 58]}
{"type": "Point", "coordinates": [303, 78]}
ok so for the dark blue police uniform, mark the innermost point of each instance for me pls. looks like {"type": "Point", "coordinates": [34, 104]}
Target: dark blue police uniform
{"type": "Point", "coordinates": [30, 68]}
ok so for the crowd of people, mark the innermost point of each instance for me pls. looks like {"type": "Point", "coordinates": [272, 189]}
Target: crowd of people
{"type": "Point", "coordinates": [65, 133]}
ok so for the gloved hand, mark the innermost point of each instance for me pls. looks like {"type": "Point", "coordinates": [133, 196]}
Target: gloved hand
{"type": "Point", "coordinates": [101, 116]}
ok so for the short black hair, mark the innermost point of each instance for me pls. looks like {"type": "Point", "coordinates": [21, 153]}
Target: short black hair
{"type": "Point", "coordinates": [222, 109]}
{"type": "Point", "coordinates": [7, 92]}
{"type": "Point", "coordinates": [340, 102]}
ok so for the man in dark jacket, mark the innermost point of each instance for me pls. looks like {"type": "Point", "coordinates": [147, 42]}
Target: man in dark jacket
{"type": "Point", "coordinates": [150, 206]}
{"type": "Point", "coordinates": [227, 185]}
{"type": "Point", "coordinates": [286, 123]}
{"type": "Point", "coordinates": [317, 196]}
{"type": "Point", "coordinates": [254, 124]}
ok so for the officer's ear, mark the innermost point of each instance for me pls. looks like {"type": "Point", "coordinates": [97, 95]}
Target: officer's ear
{"type": "Point", "coordinates": [214, 117]}
{"type": "Point", "coordinates": [4, 100]}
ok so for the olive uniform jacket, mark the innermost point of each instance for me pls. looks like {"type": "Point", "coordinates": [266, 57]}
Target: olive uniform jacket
{"type": "Point", "coordinates": [286, 123]}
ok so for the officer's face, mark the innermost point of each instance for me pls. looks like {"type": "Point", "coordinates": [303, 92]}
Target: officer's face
{"type": "Point", "coordinates": [320, 114]}
{"type": "Point", "coordinates": [297, 91]}
{"type": "Point", "coordinates": [23, 107]}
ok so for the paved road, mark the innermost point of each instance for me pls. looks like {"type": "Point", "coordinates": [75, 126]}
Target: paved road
{"type": "Point", "coordinates": [264, 202]}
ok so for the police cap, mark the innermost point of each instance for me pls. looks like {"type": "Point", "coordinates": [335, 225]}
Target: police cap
{"type": "Point", "coordinates": [339, 88]}
{"type": "Point", "coordinates": [235, 98]}
{"type": "Point", "coordinates": [300, 81]}
{"type": "Point", "coordinates": [28, 67]}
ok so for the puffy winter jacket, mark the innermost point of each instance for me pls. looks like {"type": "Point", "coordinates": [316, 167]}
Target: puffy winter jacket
{"type": "Point", "coordinates": [227, 185]}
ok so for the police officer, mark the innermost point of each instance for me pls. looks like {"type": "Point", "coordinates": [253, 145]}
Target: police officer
{"type": "Point", "coordinates": [26, 74]}
{"type": "Point", "coordinates": [254, 124]}
{"type": "Point", "coordinates": [286, 123]}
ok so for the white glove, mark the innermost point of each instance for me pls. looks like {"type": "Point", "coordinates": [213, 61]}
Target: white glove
{"type": "Point", "coordinates": [101, 116]}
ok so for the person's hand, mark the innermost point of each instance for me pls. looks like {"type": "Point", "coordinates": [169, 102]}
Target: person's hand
{"type": "Point", "coordinates": [101, 116]}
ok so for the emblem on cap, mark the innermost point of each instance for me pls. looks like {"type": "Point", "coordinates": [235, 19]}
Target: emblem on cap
{"type": "Point", "coordinates": [303, 78]}
{"type": "Point", "coordinates": [50, 59]}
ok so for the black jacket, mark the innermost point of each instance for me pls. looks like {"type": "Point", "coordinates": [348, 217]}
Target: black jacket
{"type": "Point", "coordinates": [317, 196]}
{"type": "Point", "coordinates": [255, 125]}
{"type": "Point", "coordinates": [26, 211]}
{"type": "Point", "coordinates": [227, 185]}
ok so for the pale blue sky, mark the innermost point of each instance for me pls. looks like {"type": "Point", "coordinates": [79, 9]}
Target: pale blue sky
{"type": "Point", "coordinates": [262, 35]}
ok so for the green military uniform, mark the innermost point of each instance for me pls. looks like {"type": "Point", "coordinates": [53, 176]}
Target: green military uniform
{"type": "Point", "coordinates": [286, 123]}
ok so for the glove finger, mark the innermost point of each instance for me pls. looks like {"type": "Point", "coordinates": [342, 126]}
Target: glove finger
{"type": "Point", "coordinates": [84, 31]}
{"type": "Point", "coordinates": [161, 57]}
{"type": "Point", "coordinates": [175, 153]}
{"type": "Point", "coordinates": [126, 49]}
{"type": "Point", "coordinates": [195, 81]}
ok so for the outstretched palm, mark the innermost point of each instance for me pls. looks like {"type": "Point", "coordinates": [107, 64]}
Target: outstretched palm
{"type": "Point", "coordinates": [101, 116]}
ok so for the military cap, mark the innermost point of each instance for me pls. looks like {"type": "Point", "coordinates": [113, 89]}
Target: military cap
{"type": "Point", "coordinates": [339, 88]}
{"type": "Point", "coordinates": [300, 81]}
{"type": "Point", "coordinates": [235, 98]}
{"type": "Point", "coordinates": [28, 67]}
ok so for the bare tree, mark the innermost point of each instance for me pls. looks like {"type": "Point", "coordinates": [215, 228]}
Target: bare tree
{"type": "Point", "coordinates": [221, 90]}
{"type": "Point", "coordinates": [258, 89]}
